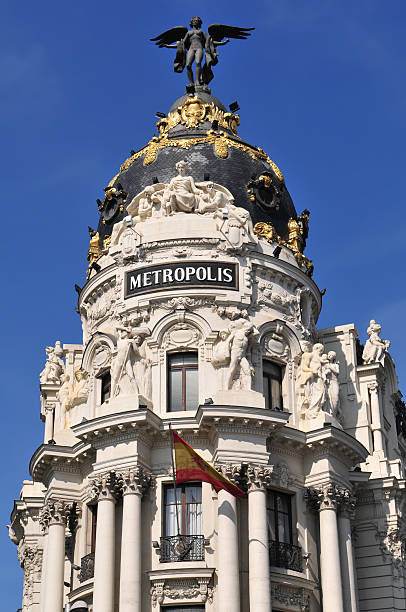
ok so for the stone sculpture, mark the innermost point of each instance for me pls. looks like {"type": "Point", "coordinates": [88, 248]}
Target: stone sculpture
{"type": "Point", "coordinates": [191, 45]}
{"type": "Point", "coordinates": [318, 382]}
{"type": "Point", "coordinates": [73, 393]}
{"type": "Point", "coordinates": [232, 350]}
{"type": "Point", "coordinates": [130, 367]}
{"type": "Point", "coordinates": [375, 348]}
{"type": "Point", "coordinates": [54, 366]}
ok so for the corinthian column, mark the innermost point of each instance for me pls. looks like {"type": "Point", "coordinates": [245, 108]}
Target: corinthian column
{"type": "Point", "coordinates": [348, 572]}
{"type": "Point", "coordinates": [258, 539]}
{"type": "Point", "coordinates": [133, 484]}
{"type": "Point", "coordinates": [104, 489]}
{"type": "Point", "coordinates": [228, 568]}
{"type": "Point", "coordinates": [53, 517]}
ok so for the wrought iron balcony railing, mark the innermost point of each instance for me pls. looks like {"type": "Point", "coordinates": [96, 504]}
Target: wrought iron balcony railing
{"type": "Point", "coordinates": [86, 567]}
{"type": "Point", "coordinates": [286, 555]}
{"type": "Point", "coordinates": [182, 548]}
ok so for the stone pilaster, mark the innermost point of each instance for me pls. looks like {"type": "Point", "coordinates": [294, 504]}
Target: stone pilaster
{"type": "Point", "coordinates": [327, 500]}
{"type": "Point", "coordinates": [258, 480]}
{"type": "Point", "coordinates": [228, 564]}
{"type": "Point", "coordinates": [133, 483]}
{"type": "Point", "coordinates": [348, 572]}
{"type": "Point", "coordinates": [105, 489]}
{"type": "Point", "coordinates": [54, 517]}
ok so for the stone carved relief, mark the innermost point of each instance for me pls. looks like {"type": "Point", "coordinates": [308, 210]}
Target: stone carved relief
{"type": "Point", "coordinates": [318, 382]}
{"type": "Point", "coordinates": [329, 496]}
{"type": "Point", "coordinates": [54, 366]}
{"type": "Point", "coordinates": [230, 312]}
{"type": "Point", "coordinates": [100, 304]}
{"type": "Point", "coordinates": [180, 335]}
{"type": "Point", "coordinates": [73, 393]}
{"type": "Point", "coordinates": [296, 308]}
{"type": "Point", "coordinates": [375, 348]}
{"type": "Point", "coordinates": [30, 559]}
{"type": "Point", "coordinates": [181, 303]}
{"type": "Point", "coordinates": [392, 544]}
{"type": "Point", "coordinates": [133, 480]}
{"type": "Point", "coordinates": [233, 349]}
{"type": "Point", "coordinates": [198, 589]}
{"type": "Point", "coordinates": [275, 345]}
{"type": "Point", "coordinates": [131, 366]}
{"type": "Point", "coordinates": [56, 511]}
{"type": "Point", "coordinates": [291, 596]}
{"type": "Point", "coordinates": [183, 195]}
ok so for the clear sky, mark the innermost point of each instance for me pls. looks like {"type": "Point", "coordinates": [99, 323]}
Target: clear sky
{"type": "Point", "coordinates": [322, 88]}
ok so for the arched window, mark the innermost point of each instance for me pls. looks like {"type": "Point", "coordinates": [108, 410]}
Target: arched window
{"type": "Point", "coordinates": [272, 385]}
{"type": "Point", "coordinates": [183, 381]}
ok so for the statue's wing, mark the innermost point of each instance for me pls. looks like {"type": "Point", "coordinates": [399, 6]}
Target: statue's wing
{"type": "Point", "coordinates": [170, 36]}
{"type": "Point", "coordinates": [218, 31]}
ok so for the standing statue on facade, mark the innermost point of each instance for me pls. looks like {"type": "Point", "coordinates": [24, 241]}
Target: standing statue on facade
{"type": "Point", "coordinates": [54, 366]}
{"type": "Point", "coordinates": [375, 348]}
{"type": "Point", "coordinates": [231, 350]}
{"type": "Point", "coordinates": [130, 368]}
{"type": "Point", "coordinates": [191, 45]}
{"type": "Point", "coordinates": [318, 382]}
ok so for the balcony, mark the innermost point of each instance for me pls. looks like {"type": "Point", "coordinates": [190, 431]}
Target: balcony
{"type": "Point", "coordinates": [86, 567]}
{"type": "Point", "coordinates": [182, 548]}
{"type": "Point", "coordinates": [286, 555]}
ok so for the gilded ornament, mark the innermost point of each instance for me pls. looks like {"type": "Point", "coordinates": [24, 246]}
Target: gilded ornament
{"type": "Point", "coordinates": [268, 231]}
{"type": "Point", "coordinates": [193, 112]}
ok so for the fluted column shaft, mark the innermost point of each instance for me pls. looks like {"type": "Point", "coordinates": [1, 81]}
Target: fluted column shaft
{"type": "Point", "coordinates": [54, 516]}
{"type": "Point", "coordinates": [133, 484]}
{"type": "Point", "coordinates": [103, 591]}
{"type": "Point", "coordinates": [258, 541]}
{"type": "Point", "coordinates": [227, 554]}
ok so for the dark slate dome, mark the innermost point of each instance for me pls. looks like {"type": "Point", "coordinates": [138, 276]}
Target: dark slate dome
{"type": "Point", "coordinates": [200, 130]}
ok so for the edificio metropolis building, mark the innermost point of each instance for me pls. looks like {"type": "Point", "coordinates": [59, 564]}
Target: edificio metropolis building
{"type": "Point", "coordinates": [199, 312]}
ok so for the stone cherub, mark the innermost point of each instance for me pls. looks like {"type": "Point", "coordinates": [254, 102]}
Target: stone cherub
{"type": "Point", "coordinates": [375, 347]}
{"type": "Point", "coordinates": [191, 45]}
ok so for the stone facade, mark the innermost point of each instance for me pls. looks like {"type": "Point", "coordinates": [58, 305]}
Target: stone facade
{"type": "Point", "coordinates": [319, 451]}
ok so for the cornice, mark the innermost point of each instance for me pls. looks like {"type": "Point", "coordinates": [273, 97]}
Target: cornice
{"type": "Point", "coordinates": [54, 457]}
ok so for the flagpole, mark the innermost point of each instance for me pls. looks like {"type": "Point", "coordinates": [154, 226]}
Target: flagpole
{"type": "Point", "coordinates": [174, 479]}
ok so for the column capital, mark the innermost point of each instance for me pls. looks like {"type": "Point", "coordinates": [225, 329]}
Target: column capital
{"type": "Point", "coordinates": [134, 481]}
{"type": "Point", "coordinates": [105, 486]}
{"type": "Point", "coordinates": [327, 497]}
{"type": "Point", "coordinates": [347, 503]}
{"type": "Point", "coordinates": [373, 386]}
{"type": "Point", "coordinates": [56, 512]}
{"type": "Point", "coordinates": [231, 471]}
{"type": "Point", "coordinates": [258, 477]}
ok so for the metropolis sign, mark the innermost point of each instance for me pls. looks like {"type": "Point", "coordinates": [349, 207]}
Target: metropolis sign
{"type": "Point", "coordinates": [189, 274]}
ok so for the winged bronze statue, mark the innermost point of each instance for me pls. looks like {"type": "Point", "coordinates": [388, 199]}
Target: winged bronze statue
{"type": "Point", "coordinates": [192, 44]}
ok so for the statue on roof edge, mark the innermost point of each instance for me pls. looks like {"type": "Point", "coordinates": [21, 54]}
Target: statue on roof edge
{"type": "Point", "coordinates": [191, 45]}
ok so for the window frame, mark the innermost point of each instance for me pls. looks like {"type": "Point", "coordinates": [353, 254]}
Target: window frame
{"type": "Point", "coordinates": [268, 375]}
{"type": "Point", "coordinates": [183, 368]}
{"type": "Point", "coordinates": [182, 503]}
{"type": "Point", "coordinates": [288, 496]}
{"type": "Point", "coordinates": [102, 377]}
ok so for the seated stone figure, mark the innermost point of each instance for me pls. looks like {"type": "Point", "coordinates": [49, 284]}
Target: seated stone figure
{"type": "Point", "coordinates": [181, 194]}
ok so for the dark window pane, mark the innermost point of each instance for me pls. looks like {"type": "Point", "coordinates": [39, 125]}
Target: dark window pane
{"type": "Point", "coordinates": [279, 517]}
{"type": "Point", "coordinates": [175, 390]}
{"type": "Point", "coordinates": [266, 382]}
{"type": "Point", "coordinates": [272, 385]}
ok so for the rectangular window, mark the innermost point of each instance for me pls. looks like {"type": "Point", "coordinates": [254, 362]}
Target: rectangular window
{"type": "Point", "coordinates": [283, 553]}
{"type": "Point", "coordinates": [280, 517]}
{"type": "Point", "coordinates": [105, 387]}
{"type": "Point", "coordinates": [188, 608]}
{"type": "Point", "coordinates": [272, 385]}
{"type": "Point", "coordinates": [182, 381]}
{"type": "Point", "coordinates": [93, 527]}
{"type": "Point", "coordinates": [189, 497]}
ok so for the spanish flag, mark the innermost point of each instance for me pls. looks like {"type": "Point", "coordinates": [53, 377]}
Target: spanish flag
{"type": "Point", "coordinates": [189, 466]}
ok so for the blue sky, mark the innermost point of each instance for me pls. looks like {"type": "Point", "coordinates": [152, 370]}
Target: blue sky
{"type": "Point", "coordinates": [321, 85]}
